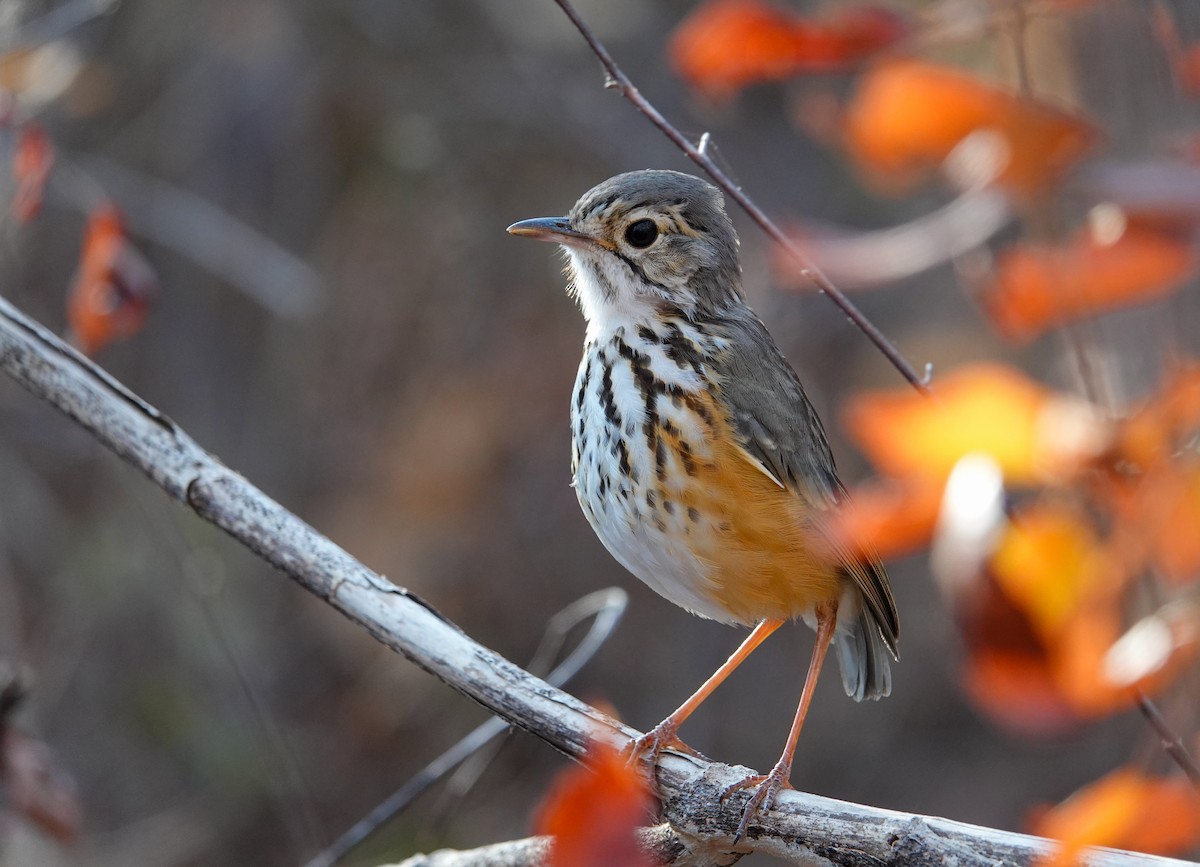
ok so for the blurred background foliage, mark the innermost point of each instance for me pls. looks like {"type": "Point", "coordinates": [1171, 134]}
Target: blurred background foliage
{"type": "Point", "coordinates": [403, 386]}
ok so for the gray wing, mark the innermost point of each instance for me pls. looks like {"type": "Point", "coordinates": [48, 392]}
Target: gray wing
{"type": "Point", "coordinates": [783, 435]}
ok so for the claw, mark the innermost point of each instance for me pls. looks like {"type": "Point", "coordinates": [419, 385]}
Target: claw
{"type": "Point", "coordinates": [648, 748]}
{"type": "Point", "coordinates": [766, 789]}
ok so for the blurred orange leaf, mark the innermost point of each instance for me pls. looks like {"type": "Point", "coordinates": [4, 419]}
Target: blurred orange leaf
{"type": "Point", "coordinates": [891, 517]}
{"type": "Point", "coordinates": [1187, 70]}
{"type": "Point", "coordinates": [1007, 672]}
{"type": "Point", "coordinates": [1038, 286]}
{"type": "Point", "coordinates": [593, 812]}
{"type": "Point", "coordinates": [34, 785]}
{"type": "Point", "coordinates": [1033, 433]}
{"type": "Point", "coordinates": [1018, 692]}
{"type": "Point", "coordinates": [114, 286]}
{"type": "Point", "coordinates": [1050, 564]}
{"type": "Point", "coordinates": [1184, 58]}
{"type": "Point", "coordinates": [1080, 652]}
{"type": "Point", "coordinates": [1166, 421]}
{"type": "Point", "coordinates": [725, 45]}
{"type": "Point", "coordinates": [1171, 516]}
{"type": "Point", "coordinates": [1045, 562]}
{"type": "Point", "coordinates": [1124, 809]}
{"type": "Point", "coordinates": [32, 162]}
{"type": "Point", "coordinates": [1039, 621]}
{"type": "Point", "coordinates": [906, 117]}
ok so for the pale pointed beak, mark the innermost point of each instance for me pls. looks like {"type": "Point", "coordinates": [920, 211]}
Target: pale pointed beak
{"type": "Point", "coordinates": [555, 229]}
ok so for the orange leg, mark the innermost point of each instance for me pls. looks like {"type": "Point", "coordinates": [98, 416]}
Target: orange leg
{"type": "Point", "coordinates": [768, 787]}
{"type": "Point", "coordinates": [663, 735]}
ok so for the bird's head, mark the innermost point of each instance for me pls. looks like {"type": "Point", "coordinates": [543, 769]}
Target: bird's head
{"type": "Point", "coordinates": [643, 242]}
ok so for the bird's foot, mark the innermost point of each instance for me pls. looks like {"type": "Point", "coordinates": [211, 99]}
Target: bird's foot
{"type": "Point", "coordinates": [649, 746]}
{"type": "Point", "coordinates": [766, 789]}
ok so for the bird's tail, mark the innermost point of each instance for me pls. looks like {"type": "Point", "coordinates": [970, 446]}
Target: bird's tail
{"type": "Point", "coordinates": [864, 658]}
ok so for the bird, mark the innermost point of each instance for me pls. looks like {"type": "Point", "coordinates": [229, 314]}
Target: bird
{"type": "Point", "coordinates": [697, 458]}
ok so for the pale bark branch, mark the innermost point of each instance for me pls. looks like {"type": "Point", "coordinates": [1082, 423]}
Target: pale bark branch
{"type": "Point", "coordinates": [659, 841]}
{"type": "Point", "coordinates": [799, 828]}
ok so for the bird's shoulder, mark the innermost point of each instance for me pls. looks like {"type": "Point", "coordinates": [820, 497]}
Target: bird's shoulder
{"type": "Point", "coordinates": [770, 412]}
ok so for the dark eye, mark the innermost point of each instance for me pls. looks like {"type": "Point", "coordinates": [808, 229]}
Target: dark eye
{"type": "Point", "coordinates": [641, 234]}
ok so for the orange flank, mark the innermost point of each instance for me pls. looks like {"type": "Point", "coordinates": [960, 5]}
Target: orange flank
{"type": "Point", "coordinates": [758, 538]}
{"type": "Point", "coordinates": [906, 117]}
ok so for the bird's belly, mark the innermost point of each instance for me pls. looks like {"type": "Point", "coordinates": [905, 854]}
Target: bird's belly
{"type": "Point", "coordinates": [678, 506]}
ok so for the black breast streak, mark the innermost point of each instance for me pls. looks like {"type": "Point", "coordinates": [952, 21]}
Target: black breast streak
{"type": "Point", "coordinates": [685, 457]}
{"type": "Point", "coordinates": [681, 350]}
{"type": "Point", "coordinates": [660, 459]}
{"type": "Point", "coordinates": [621, 453]}
{"type": "Point", "coordinates": [607, 401]}
{"type": "Point", "coordinates": [650, 387]}
{"type": "Point", "coordinates": [581, 395]}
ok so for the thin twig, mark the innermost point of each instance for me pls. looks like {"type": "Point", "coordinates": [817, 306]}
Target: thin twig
{"type": "Point", "coordinates": [618, 80]}
{"type": "Point", "coordinates": [605, 606]}
{"type": "Point", "coordinates": [1171, 742]}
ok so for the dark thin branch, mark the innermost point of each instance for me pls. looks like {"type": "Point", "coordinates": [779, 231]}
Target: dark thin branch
{"type": "Point", "coordinates": [605, 606]}
{"type": "Point", "coordinates": [1171, 742]}
{"type": "Point", "coordinates": [799, 828]}
{"type": "Point", "coordinates": [618, 80]}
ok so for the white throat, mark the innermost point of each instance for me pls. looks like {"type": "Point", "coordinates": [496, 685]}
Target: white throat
{"type": "Point", "coordinates": [610, 300]}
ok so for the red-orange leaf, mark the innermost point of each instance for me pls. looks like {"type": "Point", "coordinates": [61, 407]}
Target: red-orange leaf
{"type": "Point", "coordinates": [1051, 566]}
{"type": "Point", "coordinates": [891, 517]}
{"type": "Point", "coordinates": [114, 287]}
{"type": "Point", "coordinates": [1034, 434]}
{"type": "Point", "coordinates": [1039, 620]}
{"type": "Point", "coordinates": [1126, 810]}
{"type": "Point", "coordinates": [1080, 651]}
{"type": "Point", "coordinates": [907, 116]}
{"type": "Point", "coordinates": [35, 786]}
{"type": "Point", "coordinates": [1170, 515]}
{"type": "Point", "coordinates": [1184, 58]}
{"type": "Point", "coordinates": [1037, 286]}
{"type": "Point", "coordinates": [1017, 692]}
{"type": "Point", "coordinates": [1046, 563]}
{"type": "Point", "coordinates": [592, 812]}
{"type": "Point", "coordinates": [32, 162]}
{"type": "Point", "coordinates": [1166, 421]}
{"type": "Point", "coordinates": [727, 44]}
